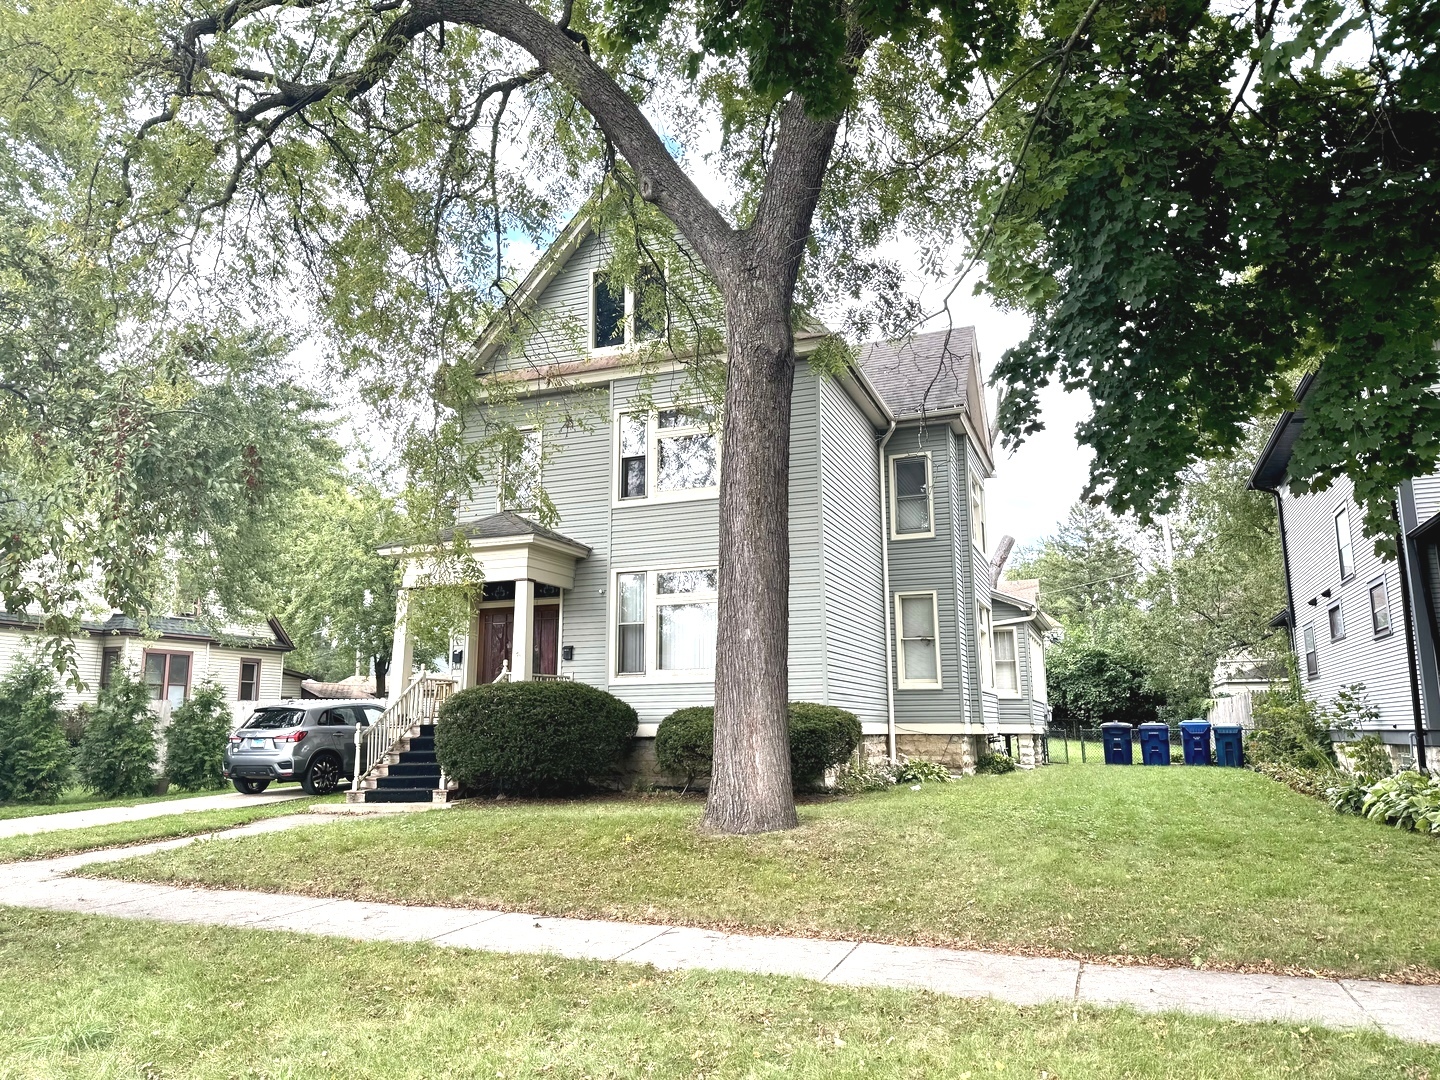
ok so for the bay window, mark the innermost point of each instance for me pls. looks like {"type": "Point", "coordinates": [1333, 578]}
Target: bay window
{"type": "Point", "coordinates": [667, 454]}
{"type": "Point", "coordinates": [911, 503]}
{"type": "Point", "coordinates": [665, 623]}
{"type": "Point", "coordinates": [917, 617]}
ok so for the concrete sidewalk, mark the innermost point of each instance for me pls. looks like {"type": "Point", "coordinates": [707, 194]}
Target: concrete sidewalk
{"type": "Point", "coordinates": [111, 815]}
{"type": "Point", "coordinates": [1407, 1012]}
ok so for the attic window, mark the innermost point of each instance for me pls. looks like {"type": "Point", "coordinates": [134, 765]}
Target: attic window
{"type": "Point", "coordinates": [608, 315]}
{"type": "Point", "coordinates": [622, 315]}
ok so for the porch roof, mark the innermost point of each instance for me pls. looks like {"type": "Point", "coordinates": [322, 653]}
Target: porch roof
{"type": "Point", "coordinates": [508, 547]}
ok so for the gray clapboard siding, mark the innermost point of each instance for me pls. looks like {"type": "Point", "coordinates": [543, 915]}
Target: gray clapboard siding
{"type": "Point", "coordinates": [1427, 496]}
{"type": "Point", "coordinates": [1013, 711]}
{"type": "Point", "coordinates": [928, 565]}
{"type": "Point", "coordinates": [848, 535]}
{"type": "Point", "coordinates": [1380, 663]}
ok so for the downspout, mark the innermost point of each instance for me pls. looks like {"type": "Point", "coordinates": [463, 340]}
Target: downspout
{"type": "Point", "coordinates": [1402, 561]}
{"type": "Point", "coordinates": [885, 584]}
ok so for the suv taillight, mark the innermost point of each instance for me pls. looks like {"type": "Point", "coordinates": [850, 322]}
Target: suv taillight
{"type": "Point", "coordinates": [293, 737]}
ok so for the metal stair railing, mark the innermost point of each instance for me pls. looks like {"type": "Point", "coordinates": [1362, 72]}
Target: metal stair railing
{"type": "Point", "coordinates": [418, 704]}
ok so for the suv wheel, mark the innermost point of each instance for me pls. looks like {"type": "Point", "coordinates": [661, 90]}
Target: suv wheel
{"type": "Point", "coordinates": [250, 787]}
{"type": "Point", "coordinates": [323, 775]}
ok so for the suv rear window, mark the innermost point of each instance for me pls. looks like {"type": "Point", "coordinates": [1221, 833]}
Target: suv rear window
{"type": "Point", "coordinates": [276, 718]}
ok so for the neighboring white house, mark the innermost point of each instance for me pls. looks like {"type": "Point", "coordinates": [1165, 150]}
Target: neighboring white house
{"type": "Point", "coordinates": [173, 655]}
{"type": "Point", "coordinates": [1353, 616]}
{"type": "Point", "coordinates": [892, 612]}
{"type": "Point", "coordinates": [1236, 679]}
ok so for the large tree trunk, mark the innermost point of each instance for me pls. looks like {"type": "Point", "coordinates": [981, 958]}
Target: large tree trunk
{"type": "Point", "coordinates": [750, 787]}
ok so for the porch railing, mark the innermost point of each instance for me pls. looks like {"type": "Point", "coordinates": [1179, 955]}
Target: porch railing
{"type": "Point", "coordinates": [418, 704]}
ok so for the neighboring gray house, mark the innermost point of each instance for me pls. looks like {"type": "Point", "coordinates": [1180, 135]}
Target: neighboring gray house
{"type": "Point", "coordinates": [892, 615]}
{"type": "Point", "coordinates": [1353, 617]}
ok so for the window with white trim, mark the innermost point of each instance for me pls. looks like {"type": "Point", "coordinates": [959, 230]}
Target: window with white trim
{"type": "Point", "coordinates": [1312, 658]}
{"type": "Point", "coordinates": [1380, 608]}
{"type": "Point", "coordinates": [249, 680]}
{"type": "Point", "coordinates": [987, 661]}
{"type": "Point", "coordinates": [1344, 548]}
{"type": "Point", "coordinates": [665, 623]}
{"type": "Point", "coordinates": [916, 615]}
{"type": "Point", "coordinates": [1007, 662]}
{"type": "Point", "coordinates": [1337, 622]}
{"type": "Point", "coordinates": [520, 472]}
{"type": "Point", "coordinates": [666, 454]}
{"type": "Point", "coordinates": [623, 315]}
{"type": "Point", "coordinates": [977, 514]}
{"type": "Point", "coordinates": [912, 508]}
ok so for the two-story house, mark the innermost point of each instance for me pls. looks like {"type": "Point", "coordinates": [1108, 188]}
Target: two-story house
{"type": "Point", "coordinates": [892, 615]}
{"type": "Point", "coordinates": [1353, 616]}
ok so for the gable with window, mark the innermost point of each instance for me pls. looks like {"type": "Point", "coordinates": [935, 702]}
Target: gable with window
{"type": "Point", "coordinates": [912, 507]}
{"type": "Point", "coordinates": [625, 315]}
{"type": "Point", "coordinates": [665, 624]}
{"type": "Point", "coordinates": [1344, 548]}
{"type": "Point", "coordinates": [666, 454]}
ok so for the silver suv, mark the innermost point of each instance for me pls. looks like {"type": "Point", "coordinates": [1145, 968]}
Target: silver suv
{"type": "Point", "coordinates": [309, 741]}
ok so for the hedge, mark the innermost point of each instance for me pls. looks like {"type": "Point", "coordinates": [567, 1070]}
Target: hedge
{"type": "Point", "coordinates": [532, 736]}
{"type": "Point", "coordinates": [821, 737]}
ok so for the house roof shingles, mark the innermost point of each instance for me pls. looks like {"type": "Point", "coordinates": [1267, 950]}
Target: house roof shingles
{"type": "Point", "coordinates": [500, 526]}
{"type": "Point", "coordinates": [922, 374]}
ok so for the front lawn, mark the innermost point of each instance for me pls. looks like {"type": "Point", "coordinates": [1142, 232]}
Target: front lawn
{"type": "Point", "coordinates": [83, 997]}
{"type": "Point", "coordinates": [70, 841]}
{"type": "Point", "coordinates": [1217, 867]}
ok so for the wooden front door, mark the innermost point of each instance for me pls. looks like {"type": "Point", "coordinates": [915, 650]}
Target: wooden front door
{"type": "Point", "coordinates": [497, 633]}
{"type": "Point", "coordinates": [547, 640]}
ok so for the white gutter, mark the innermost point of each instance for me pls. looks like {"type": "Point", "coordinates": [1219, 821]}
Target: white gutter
{"type": "Point", "coordinates": [885, 579]}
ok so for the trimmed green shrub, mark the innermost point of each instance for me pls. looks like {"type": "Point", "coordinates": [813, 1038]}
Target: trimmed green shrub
{"type": "Point", "coordinates": [921, 771]}
{"type": "Point", "coordinates": [34, 756]}
{"type": "Point", "coordinates": [994, 764]}
{"type": "Point", "coordinates": [118, 751]}
{"type": "Point", "coordinates": [195, 740]}
{"type": "Point", "coordinates": [532, 736]}
{"type": "Point", "coordinates": [821, 737]}
{"type": "Point", "coordinates": [685, 742]}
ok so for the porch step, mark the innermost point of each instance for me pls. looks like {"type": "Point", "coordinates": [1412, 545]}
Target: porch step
{"type": "Point", "coordinates": [394, 795]}
{"type": "Point", "coordinates": [409, 767]}
{"type": "Point", "coordinates": [422, 781]}
{"type": "Point", "coordinates": [424, 744]}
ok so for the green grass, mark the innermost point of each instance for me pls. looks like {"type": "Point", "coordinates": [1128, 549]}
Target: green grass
{"type": "Point", "coordinates": [83, 997]}
{"type": "Point", "coordinates": [70, 841]}
{"type": "Point", "coordinates": [1217, 867]}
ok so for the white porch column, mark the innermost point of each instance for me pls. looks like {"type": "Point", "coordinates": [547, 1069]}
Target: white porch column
{"type": "Point", "coordinates": [522, 648]}
{"type": "Point", "coordinates": [470, 671]}
{"type": "Point", "coordinates": [402, 654]}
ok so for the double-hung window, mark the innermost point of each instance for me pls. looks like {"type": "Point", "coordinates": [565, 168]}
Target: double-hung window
{"type": "Point", "coordinates": [665, 623]}
{"type": "Point", "coordinates": [623, 315]}
{"type": "Point", "coordinates": [1379, 608]}
{"type": "Point", "coordinates": [167, 676]}
{"type": "Point", "coordinates": [1344, 548]}
{"type": "Point", "coordinates": [917, 616]}
{"type": "Point", "coordinates": [977, 514]}
{"type": "Point", "coordinates": [1312, 658]}
{"type": "Point", "coordinates": [249, 680]}
{"type": "Point", "coordinates": [667, 454]}
{"type": "Point", "coordinates": [1336, 618]}
{"type": "Point", "coordinates": [987, 659]}
{"type": "Point", "coordinates": [1007, 662]}
{"type": "Point", "coordinates": [912, 504]}
{"type": "Point", "coordinates": [520, 472]}
{"type": "Point", "coordinates": [1038, 689]}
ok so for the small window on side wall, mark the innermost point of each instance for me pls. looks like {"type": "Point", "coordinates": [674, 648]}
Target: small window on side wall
{"type": "Point", "coordinates": [1344, 547]}
{"type": "Point", "coordinates": [1312, 658]}
{"type": "Point", "coordinates": [910, 482]}
{"type": "Point", "coordinates": [249, 680]}
{"type": "Point", "coordinates": [1007, 663]}
{"type": "Point", "coordinates": [1380, 608]}
{"type": "Point", "coordinates": [919, 651]}
{"type": "Point", "coordinates": [1337, 622]}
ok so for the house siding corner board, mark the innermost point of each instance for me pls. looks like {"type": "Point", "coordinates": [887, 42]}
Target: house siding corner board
{"type": "Point", "coordinates": [977, 570]}
{"type": "Point", "coordinates": [1380, 663]}
{"type": "Point", "coordinates": [854, 594]}
{"type": "Point", "coordinates": [924, 565]}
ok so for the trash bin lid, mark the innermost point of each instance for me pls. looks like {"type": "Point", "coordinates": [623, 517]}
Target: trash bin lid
{"type": "Point", "coordinates": [1227, 729]}
{"type": "Point", "coordinates": [1155, 726]}
{"type": "Point", "coordinates": [1116, 724]}
{"type": "Point", "coordinates": [1197, 726]}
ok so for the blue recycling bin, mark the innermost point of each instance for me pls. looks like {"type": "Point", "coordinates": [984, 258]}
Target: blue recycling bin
{"type": "Point", "coordinates": [1195, 741]}
{"type": "Point", "coordinates": [1154, 744]}
{"type": "Point", "coordinates": [1116, 738]}
{"type": "Point", "coordinates": [1228, 747]}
